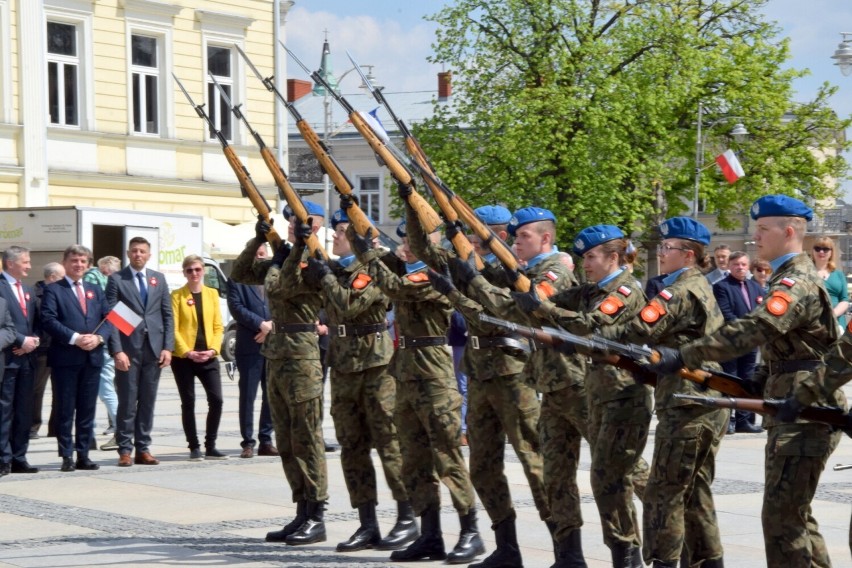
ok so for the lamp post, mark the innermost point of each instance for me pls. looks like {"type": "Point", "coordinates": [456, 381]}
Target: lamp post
{"type": "Point", "coordinates": [738, 133]}
{"type": "Point", "coordinates": [843, 55]}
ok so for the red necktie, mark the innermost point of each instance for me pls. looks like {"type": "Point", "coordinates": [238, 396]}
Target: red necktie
{"type": "Point", "coordinates": [21, 299]}
{"type": "Point", "coordinates": [80, 296]}
{"type": "Point", "coordinates": [745, 293]}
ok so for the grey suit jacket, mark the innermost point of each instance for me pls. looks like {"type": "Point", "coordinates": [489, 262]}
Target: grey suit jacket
{"type": "Point", "coordinates": [157, 327]}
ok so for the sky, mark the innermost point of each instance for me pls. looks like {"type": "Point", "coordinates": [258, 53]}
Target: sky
{"type": "Point", "coordinates": [393, 36]}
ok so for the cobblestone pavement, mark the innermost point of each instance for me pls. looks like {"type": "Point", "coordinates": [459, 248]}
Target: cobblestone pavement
{"type": "Point", "coordinates": [216, 513]}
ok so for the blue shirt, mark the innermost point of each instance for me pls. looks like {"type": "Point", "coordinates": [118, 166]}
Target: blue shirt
{"type": "Point", "coordinates": [669, 280]}
{"type": "Point", "coordinates": [776, 264]}
{"type": "Point", "coordinates": [345, 261]}
{"type": "Point", "coordinates": [539, 257]}
{"type": "Point", "coordinates": [609, 278]}
{"type": "Point", "coordinates": [414, 266]}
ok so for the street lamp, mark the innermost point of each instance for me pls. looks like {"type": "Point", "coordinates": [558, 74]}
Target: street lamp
{"type": "Point", "coordinates": [843, 55]}
{"type": "Point", "coordinates": [738, 133]}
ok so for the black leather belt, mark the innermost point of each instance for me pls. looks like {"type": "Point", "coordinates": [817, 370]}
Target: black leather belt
{"type": "Point", "coordinates": [356, 330]}
{"type": "Point", "coordinates": [278, 327]}
{"type": "Point", "coordinates": [781, 367]}
{"type": "Point", "coordinates": [424, 341]}
{"type": "Point", "coordinates": [478, 342]}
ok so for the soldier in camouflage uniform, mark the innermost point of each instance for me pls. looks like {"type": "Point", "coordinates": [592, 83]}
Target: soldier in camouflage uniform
{"type": "Point", "coordinates": [501, 402]}
{"type": "Point", "coordinates": [294, 374]}
{"type": "Point", "coordinates": [564, 413]}
{"type": "Point", "coordinates": [679, 515]}
{"type": "Point", "coordinates": [428, 406]}
{"type": "Point", "coordinates": [619, 406]}
{"type": "Point", "coordinates": [363, 393]}
{"type": "Point", "coordinates": [795, 328]}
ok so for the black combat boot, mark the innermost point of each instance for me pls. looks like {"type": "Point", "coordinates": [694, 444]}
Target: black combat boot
{"type": "Point", "coordinates": [661, 564]}
{"type": "Point", "coordinates": [291, 527]}
{"type": "Point", "coordinates": [470, 544]}
{"type": "Point", "coordinates": [626, 556]}
{"type": "Point", "coordinates": [715, 563]}
{"type": "Point", "coordinates": [367, 534]}
{"type": "Point", "coordinates": [508, 553]}
{"type": "Point", "coordinates": [551, 527]}
{"type": "Point", "coordinates": [313, 529]}
{"type": "Point", "coordinates": [429, 545]}
{"type": "Point", "coordinates": [403, 532]}
{"type": "Point", "coordinates": [571, 552]}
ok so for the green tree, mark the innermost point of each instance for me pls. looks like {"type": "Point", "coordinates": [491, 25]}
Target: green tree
{"type": "Point", "coordinates": [589, 108]}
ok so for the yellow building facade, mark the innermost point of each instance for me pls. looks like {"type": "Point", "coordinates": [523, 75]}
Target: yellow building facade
{"type": "Point", "coordinates": [90, 114]}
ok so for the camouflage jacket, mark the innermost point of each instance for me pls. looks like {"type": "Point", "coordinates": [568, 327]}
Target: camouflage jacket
{"type": "Point", "coordinates": [546, 368]}
{"type": "Point", "coordinates": [353, 299]}
{"type": "Point", "coordinates": [680, 313]}
{"type": "Point", "coordinates": [291, 301]}
{"type": "Point", "coordinates": [583, 310]}
{"type": "Point", "coordinates": [794, 323]}
{"type": "Point", "coordinates": [838, 364]}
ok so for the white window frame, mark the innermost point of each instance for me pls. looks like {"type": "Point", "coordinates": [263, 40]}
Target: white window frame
{"type": "Point", "coordinates": [237, 92]}
{"type": "Point", "coordinates": [78, 13]}
{"type": "Point", "coordinates": [5, 63]}
{"type": "Point", "coordinates": [379, 192]}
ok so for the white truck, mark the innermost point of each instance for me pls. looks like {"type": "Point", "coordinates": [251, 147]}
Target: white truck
{"type": "Point", "coordinates": [47, 231]}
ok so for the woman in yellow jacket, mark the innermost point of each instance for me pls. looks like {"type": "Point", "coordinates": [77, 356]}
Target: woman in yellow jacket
{"type": "Point", "coordinates": [198, 335]}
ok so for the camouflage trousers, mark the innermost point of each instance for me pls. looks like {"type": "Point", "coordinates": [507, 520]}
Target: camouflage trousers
{"type": "Point", "coordinates": [428, 421]}
{"type": "Point", "coordinates": [500, 408]}
{"type": "Point", "coordinates": [796, 455]}
{"type": "Point", "coordinates": [294, 389]}
{"type": "Point", "coordinates": [679, 514]}
{"type": "Point", "coordinates": [362, 407]}
{"type": "Point", "coordinates": [618, 431]}
{"type": "Point", "coordinates": [563, 424]}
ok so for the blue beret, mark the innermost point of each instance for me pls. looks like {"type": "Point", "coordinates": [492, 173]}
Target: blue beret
{"type": "Point", "coordinates": [313, 209]}
{"type": "Point", "coordinates": [493, 214]}
{"type": "Point", "coordinates": [528, 215]}
{"type": "Point", "coordinates": [400, 230]}
{"type": "Point", "coordinates": [685, 228]}
{"type": "Point", "coordinates": [591, 237]}
{"type": "Point", "coordinates": [780, 206]}
{"type": "Point", "coordinates": [339, 216]}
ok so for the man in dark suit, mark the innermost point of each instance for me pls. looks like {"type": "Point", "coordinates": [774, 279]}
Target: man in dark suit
{"type": "Point", "coordinates": [141, 356]}
{"type": "Point", "coordinates": [72, 312]}
{"type": "Point", "coordinates": [249, 307]}
{"type": "Point", "coordinates": [16, 390]}
{"type": "Point", "coordinates": [53, 271]}
{"type": "Point", "coordinates": [737, 295]}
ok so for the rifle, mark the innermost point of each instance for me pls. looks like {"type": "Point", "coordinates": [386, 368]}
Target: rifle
{"type": "Point", "coordinates": [452, 206]}
{"type": "Point", "coordinates": [327, 162]}
{"type": "Point", "coordinates": [640, 355]}
{"type": "Point", "coordinates": [247, 186]}
{"type": "Point", "coordinates": [285, 190]}
{"type": "Point", "coordinates": [825, 414]}
{"type": "Point", "coordinates": [428, 218]}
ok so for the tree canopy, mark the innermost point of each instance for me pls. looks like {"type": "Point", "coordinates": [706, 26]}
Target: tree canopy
{"type": "Point", "coordinates": [590, 108]}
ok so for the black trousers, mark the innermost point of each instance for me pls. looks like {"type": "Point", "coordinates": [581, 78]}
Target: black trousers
{"type": "Point", "coordinates": [185, 372]}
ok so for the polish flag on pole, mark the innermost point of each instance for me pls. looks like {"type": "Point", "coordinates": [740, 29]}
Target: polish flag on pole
{"type": "Point", "coordinates": [125, 319]}
{"type": "Point", "coordinates": [731, 168]}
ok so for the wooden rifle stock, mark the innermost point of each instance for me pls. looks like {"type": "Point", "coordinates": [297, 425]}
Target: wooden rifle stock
{"type": "Point", "coordinates": [826, 415]}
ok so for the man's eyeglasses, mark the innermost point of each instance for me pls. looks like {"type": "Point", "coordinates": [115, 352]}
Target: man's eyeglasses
{"type": "Point", "coordinates": [822, 249]}
{"type": "Point", "coordinates": [196, 269]}
{"type": "Point", "coordinates": [665, 249]}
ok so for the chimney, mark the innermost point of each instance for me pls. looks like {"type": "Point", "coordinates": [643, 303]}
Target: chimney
{"type": "Point", "coordinates": [297, 88]}
{"type": "Point", "coordinates": [445, 85]}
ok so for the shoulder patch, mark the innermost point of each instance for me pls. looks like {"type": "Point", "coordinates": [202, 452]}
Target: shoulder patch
{"type": "Point", "coordinates": [666, 294]}
{"type": "Point", "coordinates": [611, 305]}
{"type": "Point", "coordinates": [652, 312]}
{"type": "Point", "coordinates": [545, 289]}
{"type": "Point", "coordinates": [417, 277]}
{"type": "Point", "coordinates": [778, 303]}
{"type": "Point", "coordinates": [788, 282]}
{"type": "Point", "coordinates": [624, 291]}
{"type": "Point", "coordinates": [361, 281]}
{"type": "Point", "coordinates": [550, 275]}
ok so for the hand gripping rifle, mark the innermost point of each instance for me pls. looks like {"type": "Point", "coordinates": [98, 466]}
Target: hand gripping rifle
{"type": "Point", "coordinates": [452, 206]}
{"type": "Point", "coordinates": [627, 356]}
{"type": "Point", "coordinates": [329, 165]}
{"type": "Point", "coordinates": [428, 218]}
{"type": "Point", "coordinates": [285, 189]}
{"type": "Point", "coordinates": [247, 186]}
{"type": "Point", "coordinates": [824, 414]}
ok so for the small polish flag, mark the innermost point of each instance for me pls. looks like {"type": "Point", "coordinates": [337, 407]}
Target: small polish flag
{"type": "Point", "coordinates": [731, 168]}
{"type": "Point", "coordinates": [125, 319]}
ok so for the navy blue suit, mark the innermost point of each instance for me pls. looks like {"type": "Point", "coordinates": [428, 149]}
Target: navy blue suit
{"type": "Point", "coordinates": [250, 310]}
{"type": "Point", "coordinates": [16, 391]}
{"type": "Point", "coordinates": [76, 372]}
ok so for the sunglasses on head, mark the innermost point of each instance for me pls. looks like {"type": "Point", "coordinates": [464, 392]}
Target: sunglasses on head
{"type": "Point", "coordinates": [822, 249]}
